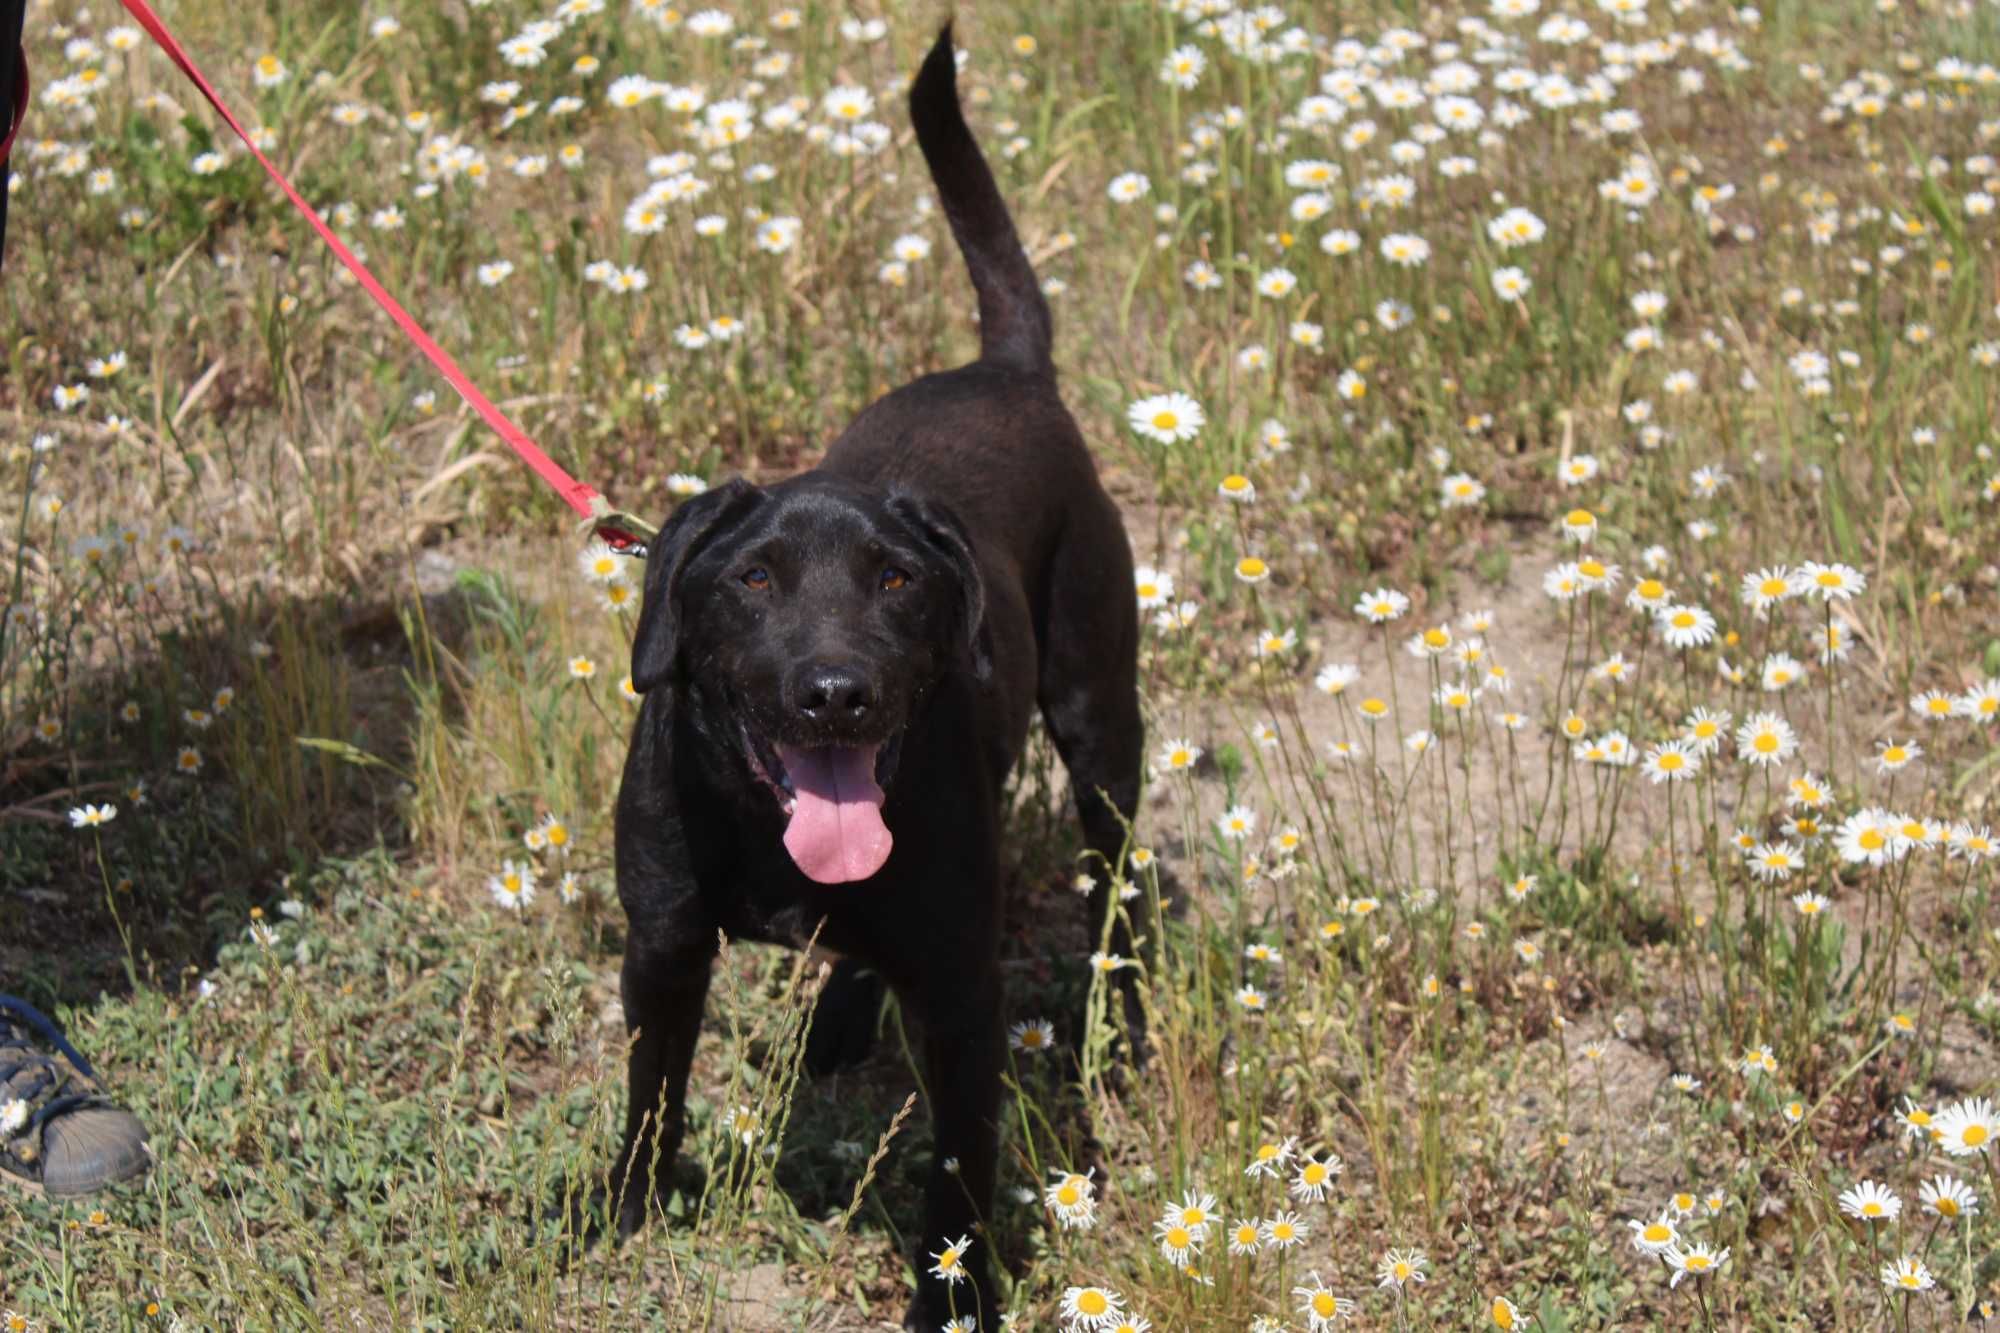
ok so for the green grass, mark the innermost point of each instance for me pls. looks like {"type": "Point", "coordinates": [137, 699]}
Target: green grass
{"type": "Point", "coordinates": [281, 551]}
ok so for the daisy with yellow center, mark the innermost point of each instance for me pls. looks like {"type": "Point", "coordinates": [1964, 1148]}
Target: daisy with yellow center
{"type": "Point", "coordinates": [1833, 582]}
{"type": "Point", "coordinates": [1871, 1202]}
{"type": "Point", "coordinates": [1967, 1127]}
{"type": "Point", "coordinates": [514, 887]}
{"type": "Point", "coordinates": [1947, 1198]}
{"type": "Point", "coordinates": [1400, 1268]}
{"type": "Point", "coordinates": [1595, 573]}
{"type": "Point", "coordinates": [1320, 1306]}
{"type": "Point", "coordinates": [1314, 1177]}
{"type": "Point", "coordinates": [1648, 595]}
{"type": "Point", "coordinates": [1284, 1230]}
{"type": "Point", "coordinates": [1178, 1245]}
{"type": "Point", "coordinates": [1892, 755]}
{"type": "Point", "coordinates": [1169, 418]}
{"type": "Point", "coordinates": [1032, 1036]}
{"type": "Point", "coordinates": [1908, 1273]}
{"type": "Point", "coordinates": [1697, 1261]}
{"type": "Point", "coordinates": [1654, 1238]}
{"type": "Point", "coordinates": [950, 1261]}
{"type": "Point", "coordinates": [1091, 1307]}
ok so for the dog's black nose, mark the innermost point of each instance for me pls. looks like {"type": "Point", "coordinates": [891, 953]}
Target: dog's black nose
{"type": "Point", "coordinates": [834, 694]}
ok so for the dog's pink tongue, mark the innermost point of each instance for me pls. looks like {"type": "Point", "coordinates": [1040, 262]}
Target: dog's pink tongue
{"type": "Point", "coordinates": [836, 833]}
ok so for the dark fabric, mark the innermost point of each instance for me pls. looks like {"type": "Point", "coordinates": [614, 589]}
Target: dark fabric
{"type": "Point", "coordinates": [18, 1018]}
{"type": "Point", "coordinates": [13, 15]}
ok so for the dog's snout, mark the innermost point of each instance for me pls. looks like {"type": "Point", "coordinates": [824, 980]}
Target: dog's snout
{"type": "Point", "coordinates": [833, 694]}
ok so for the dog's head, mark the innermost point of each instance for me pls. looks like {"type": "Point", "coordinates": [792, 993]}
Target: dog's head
{"type": "Point", "coordinates": [815, 617]}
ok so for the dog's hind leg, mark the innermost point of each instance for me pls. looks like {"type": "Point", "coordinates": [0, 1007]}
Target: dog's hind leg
{"type": "Point", "coordinates": [1090, 703]}
{"type": "Point", "coordinates": [844, 1020]}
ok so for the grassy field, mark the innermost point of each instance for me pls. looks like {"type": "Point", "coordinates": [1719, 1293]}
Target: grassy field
{"type": "Point", "coordinates": [1560, 446]}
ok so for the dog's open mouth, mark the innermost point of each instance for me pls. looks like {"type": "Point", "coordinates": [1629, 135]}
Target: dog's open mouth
{"type": "Point", "coordinates": [832, 799]}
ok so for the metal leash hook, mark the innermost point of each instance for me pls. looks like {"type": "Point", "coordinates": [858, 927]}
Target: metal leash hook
{"type": "Point", "coordinates": [626, 534]}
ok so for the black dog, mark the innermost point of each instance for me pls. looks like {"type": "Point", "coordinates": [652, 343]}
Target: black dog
{"type": "Point", "coordinates": [839, 673]}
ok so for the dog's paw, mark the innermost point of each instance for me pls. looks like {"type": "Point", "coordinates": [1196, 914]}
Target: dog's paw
{"type": "Point", "coordinates": [616, 1205]}
{"type": "Point", "coordinates": [637, 1205]}
{"type": "Point", "coordinates": [571, 1222]}
{"type": "Point", "coordinates": [844, 1021]}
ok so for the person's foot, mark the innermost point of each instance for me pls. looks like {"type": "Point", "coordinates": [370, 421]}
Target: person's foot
{"type": "Point", "coordinates": [59, 1134]}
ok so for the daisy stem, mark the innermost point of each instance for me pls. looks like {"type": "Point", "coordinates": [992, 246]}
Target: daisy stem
{"type": "Point", "coordinates": [111, 902]}
{"type": "Point", "coordinates": [1611, 1135]}
{"type": "Point", "coordinates": [1448, 875]}
{"type": "Point", "coordinates": [1354, 780]}
{"type": "Point", "coordinates": [1638, 684]}
{"type": "Point", "coordinates": [1701, 1297]}
{"type": "Point", "coordinates": [1402, 766]}
{"type": "Point", "coordinates": [1964, 886]}
{"type": "Point", "coordinates": [1832, 760]}
{"type": "Point", "coordinates": [1514, 782]}
{"type": "Point", "coordinates": [1383, 830]}
{"type": "Point", "coordinates": [1465, 777]}
{"type": "Point", "coordinates": [1558, 740]}
{"type": "Point", "coordinates": [1688, 945]}
{"type": "Point", "coordinates": [1765, 953]}
{"type": "Point", "coordinates": [1875, 1257]}
{"type": "Point", "coordinates": [598, 708]}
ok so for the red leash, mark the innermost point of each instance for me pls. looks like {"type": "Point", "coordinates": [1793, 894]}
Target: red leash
{"type": "Point", "coordinates": [621, 532]}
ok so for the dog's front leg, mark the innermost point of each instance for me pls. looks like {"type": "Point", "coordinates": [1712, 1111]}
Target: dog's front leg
{"type": "Point", "coordinates": [963, 1052]}
{"type": "Point", "coordinates": [664, 990]}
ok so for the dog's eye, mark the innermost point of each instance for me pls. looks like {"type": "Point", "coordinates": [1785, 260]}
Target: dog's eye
{"type": "Point", "coordinates": [757, 580]}
{"type": "Point", "coordinates": [893, 578]}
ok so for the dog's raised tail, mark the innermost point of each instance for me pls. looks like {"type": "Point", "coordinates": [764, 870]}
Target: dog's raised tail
{"type": "Point", "coordinates": [1014, 326]}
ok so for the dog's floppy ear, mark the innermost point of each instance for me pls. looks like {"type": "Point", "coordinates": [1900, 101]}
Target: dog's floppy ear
{"type": "Point", "coordinates": [656, 644]}
{"type": "Point", "coordinates": [948, 539]}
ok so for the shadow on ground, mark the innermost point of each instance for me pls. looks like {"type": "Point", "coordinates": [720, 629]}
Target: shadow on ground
{"type": "Point", "coordinates": [151, 896]}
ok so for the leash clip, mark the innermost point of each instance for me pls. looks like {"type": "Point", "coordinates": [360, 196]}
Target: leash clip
{"type": "Point", "coordinates": [626, 534]}
{"type": "Point", "coordinates": [622, 542]}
